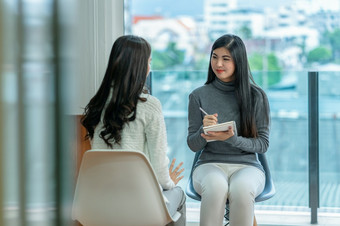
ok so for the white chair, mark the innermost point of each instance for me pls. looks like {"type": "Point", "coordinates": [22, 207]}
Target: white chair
{"type": "Point", "coordinates": [118, 187]}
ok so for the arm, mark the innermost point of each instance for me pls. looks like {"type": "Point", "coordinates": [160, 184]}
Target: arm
{"type": "Point", "coordinates": [195, 141]}
{"type": "Point", "coordinates": [155, 131]}
{"type": "Point", "coordinates": [259, 144]}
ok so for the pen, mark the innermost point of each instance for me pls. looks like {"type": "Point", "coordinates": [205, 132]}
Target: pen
{"type": "Point", "coordinates": [203, 111]}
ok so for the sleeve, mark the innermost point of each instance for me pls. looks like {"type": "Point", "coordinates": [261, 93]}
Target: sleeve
{"type": "Point", "coordinates": [195, 141]}
{"type": "Point", "coordinates": [259, 144]}
{"type": "Point", "coordinates": [155, 131]}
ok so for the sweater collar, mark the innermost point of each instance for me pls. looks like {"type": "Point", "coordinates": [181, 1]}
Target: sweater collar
{"type": "Point", "coordinates": [224, 86]}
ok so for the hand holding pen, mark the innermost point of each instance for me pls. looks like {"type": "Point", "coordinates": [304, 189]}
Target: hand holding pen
{"type": "Point", "coordinates": [209, 120]}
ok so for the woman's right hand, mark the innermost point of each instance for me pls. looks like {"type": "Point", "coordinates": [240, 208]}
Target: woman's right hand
{"type": "Point", "coordinates": [209, 120]}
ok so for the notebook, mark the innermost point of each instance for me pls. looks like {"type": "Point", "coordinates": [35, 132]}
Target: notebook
{"type": "Point", "coordinates": [220, 127]}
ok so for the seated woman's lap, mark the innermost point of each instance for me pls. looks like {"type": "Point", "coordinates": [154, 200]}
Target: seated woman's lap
{"type": "Point", "coordinates": [216, 182]}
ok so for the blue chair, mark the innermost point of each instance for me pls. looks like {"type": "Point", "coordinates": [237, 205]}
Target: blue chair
{"type": "Point", "coordinates": [267, 193]}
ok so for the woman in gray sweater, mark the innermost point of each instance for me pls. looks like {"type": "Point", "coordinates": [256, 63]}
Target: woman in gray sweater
{"type": "Point", "coordinates": [228, 167]}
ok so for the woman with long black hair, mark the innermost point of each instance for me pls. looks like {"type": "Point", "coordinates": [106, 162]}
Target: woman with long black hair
{"type": "Point", "coordinates": [122, 115]}
{"type": "Point", "coordinates": [228, 167]}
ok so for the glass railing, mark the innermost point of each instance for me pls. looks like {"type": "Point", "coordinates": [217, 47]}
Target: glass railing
{"type": "Point", "coordinates": [288, 152]}
{"type": "Point", "coordinates": [329, 139]}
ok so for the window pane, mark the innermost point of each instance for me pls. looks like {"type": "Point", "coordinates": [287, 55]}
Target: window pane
{"type": "Point", "coordinates": [284, 40]}
{"type": "Point", "coordinates": [329, 111]}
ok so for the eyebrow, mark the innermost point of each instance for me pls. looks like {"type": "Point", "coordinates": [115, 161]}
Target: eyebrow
{"type": "Point", "coordinates": [222, 56]}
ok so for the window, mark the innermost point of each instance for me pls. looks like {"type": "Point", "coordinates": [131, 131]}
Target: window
{"type": "Point", "coordinates": [281, 51]}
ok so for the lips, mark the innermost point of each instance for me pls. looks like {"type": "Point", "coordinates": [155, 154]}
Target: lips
{"type": "Point", "coordinates": [219, 71]}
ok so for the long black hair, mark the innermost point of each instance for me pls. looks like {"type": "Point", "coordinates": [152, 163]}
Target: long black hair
{"type": "Point", "coordinates": [120, 89]}
{"type": "Point", "coordinates": [245, 86]}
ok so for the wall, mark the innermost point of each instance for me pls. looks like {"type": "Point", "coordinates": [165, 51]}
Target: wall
{"type": "Point", "coordinates": [100, 22]}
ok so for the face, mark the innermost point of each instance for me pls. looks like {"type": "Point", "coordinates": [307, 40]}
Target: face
{"type": "Point", "coordinates": [223, 64]}
{"type": "Point", "coordinates": [149, 65]}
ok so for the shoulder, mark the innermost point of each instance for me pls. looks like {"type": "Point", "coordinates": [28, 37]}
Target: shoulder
{"type": "Point", "coordinates": [260, 99]}
{"type": "Point", "coordinates": [152, 104]}
{"type": "Point", "coordinates": [150, 111]}
{"type": "Point", "coordinates": [201, 90]}
{"type": "Point", "coordinates": [258, 93]}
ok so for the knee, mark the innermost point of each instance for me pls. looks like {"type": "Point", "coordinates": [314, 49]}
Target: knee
{"type": "Point", "coordinates": [241, 192]}
{"type": "Point", "coordinates": [218, 189]}
{"type": "Point", "coordinates": [179, 193]}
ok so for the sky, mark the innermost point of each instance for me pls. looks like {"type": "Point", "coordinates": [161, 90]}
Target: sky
{"type": "Point", "coordinates": [167, 7]}
{"type": "Point", "coordinates": [190, 7]}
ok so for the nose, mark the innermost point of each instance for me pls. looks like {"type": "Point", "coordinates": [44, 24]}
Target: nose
{"type": "Point", "coordinates": [219, 62]}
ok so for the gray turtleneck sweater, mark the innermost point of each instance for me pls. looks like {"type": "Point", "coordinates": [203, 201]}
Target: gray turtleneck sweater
{"type": "Point", "coordinates": [219, 97]}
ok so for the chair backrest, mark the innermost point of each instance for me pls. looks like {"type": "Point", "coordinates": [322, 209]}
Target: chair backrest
{"type": "Point", "coordinates": [267, 193]}
{"type": "Point", "coordinates": [190, 190]}
{"type": "Point", "coordinates": [269, 188]}
{"type": "Point", "coordinates": [118, 187]}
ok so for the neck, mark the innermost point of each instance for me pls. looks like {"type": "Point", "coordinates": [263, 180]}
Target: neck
{"type": "Point", "coordinates": [224, 86]}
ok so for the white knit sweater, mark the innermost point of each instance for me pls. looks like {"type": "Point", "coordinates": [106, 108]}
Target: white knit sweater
{"type": "Point", "coordinates": [147, 134]}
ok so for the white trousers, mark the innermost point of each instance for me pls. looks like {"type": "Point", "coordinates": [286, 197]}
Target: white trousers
{"type": "Point", "coordinates": [217, 182]}
{"type": "Point", "coordinates": [176, 198]}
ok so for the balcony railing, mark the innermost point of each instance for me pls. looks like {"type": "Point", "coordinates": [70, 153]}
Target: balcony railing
{"type": "Point", "coordinates": [299, 102]}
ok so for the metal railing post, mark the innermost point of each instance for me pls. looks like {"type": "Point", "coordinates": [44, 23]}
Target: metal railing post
{"type": "Point", "coordinates": [2, 182]}
{"type": "Point", "coordinates": [22, 128]}
{"type": "Point", "coordinates": [313, 136]}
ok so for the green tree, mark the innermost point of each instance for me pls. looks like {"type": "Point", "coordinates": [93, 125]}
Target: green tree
{"type": "Point", "coordinates": [168, 58]}
{"type": "Point", "coordinates": [256, 62]}
{"type": "Point", "coordinates": [320, 54]}
{"type": "Point", "coordinates": [332, 39]}
{"type": "Point", "coordinates": [272, 70]}
{"type": "Point", "coordinates": [273, 62]}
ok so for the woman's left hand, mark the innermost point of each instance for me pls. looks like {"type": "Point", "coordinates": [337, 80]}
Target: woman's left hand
{"type": "Point", "coordinates": [220, 135]}
{"type": "Point", "coordinates": [175, 174]}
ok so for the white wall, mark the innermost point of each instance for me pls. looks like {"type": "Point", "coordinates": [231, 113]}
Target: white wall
{"type": "Point", "coordinates": [99, 23]}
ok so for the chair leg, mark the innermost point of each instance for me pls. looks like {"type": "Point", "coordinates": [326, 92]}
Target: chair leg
{"type": "Point", "coordinates": [226, 215]}
{"type": "Point", "coordinates": [255, 223]}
